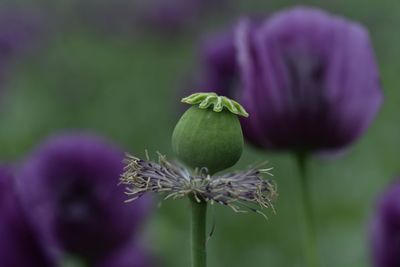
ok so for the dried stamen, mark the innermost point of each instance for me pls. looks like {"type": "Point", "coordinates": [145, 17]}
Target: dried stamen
{"type": "Point", "coordinates": [241, 191]}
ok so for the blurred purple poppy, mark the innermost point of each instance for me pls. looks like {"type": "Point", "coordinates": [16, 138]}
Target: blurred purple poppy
{"type": "Point", "coordinates": [19, 29]}
{"type": "Point", "coordinates": [18, 244]}
{"type": "Point", "coordinates": [218, 67]}
{"type": "Point", "coordinates": [386, 229]}
{"type": "Point", "coordinates": [106, 16]}
{"type": "Point", "coordinates": [156, 16]}
{"type": "Point", "coordinates": [69, 185]}
{"type": "Point", "coordinates": [174, 15]}
{"type": "Point", "coordinates": [217, 71]}
{"type": "Point", "coordinates": [310, 80]}
{"type": "Point", "coordinates": [19, 32]}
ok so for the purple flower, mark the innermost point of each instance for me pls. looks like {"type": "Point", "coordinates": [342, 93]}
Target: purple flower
{"type": "Point", "coordinates": [174, 15]}
{"type": "Point", "coordinates": [106, 17]}
{"type": "Point", "coordinates": [386, 229]}
{"type": "Point", "coordinates": [18, 31]}
{"type": "Point", "coordinates": [218, 66]}
{"type": "Point", "coordinates": [69, 185]}
{"type": "Point", "coordinates": [218, 71]}
{"type": "Point", "coordinates": [168, 18]}
{"type": "Point", "coordinates": [310, 80]}
{"type": "Point", "coordinates": [18, 244]}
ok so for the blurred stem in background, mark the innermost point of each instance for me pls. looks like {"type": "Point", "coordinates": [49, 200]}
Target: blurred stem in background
{"type": "Point", "coordinates": [198, 228]}
{"type": "Point", "coordinates": [310, 244]}
{"type": "Point", "coordinates": [72, 261]}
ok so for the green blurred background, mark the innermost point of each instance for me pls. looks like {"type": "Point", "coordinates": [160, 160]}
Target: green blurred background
{"type": "Point", "coordinates": [125, 83]}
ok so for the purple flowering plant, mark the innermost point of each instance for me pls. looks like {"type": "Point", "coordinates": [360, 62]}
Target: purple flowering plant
{"type": "Point", "coordinates": [17, 235]}
{"type": "Point", "coordinates": [385, 229]}
{"type": "Point", "coordinates": [20, 30]}
{"type": "Point", "coordinates": [308, 78]}
{"type": "Point", "coordinates": [68, 186]}
{"type": "Point", "coordinates": [308, 82]}
{"type": "Point", "coordinates": [207, 140]}
{"type": "Point", "coordinates": [174, 16]}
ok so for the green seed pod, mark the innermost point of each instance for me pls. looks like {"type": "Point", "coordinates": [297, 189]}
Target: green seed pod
{"type": "Point", "coordinates": [209, 133]}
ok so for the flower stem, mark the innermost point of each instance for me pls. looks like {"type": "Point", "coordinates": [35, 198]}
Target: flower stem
{"type": "Point", "coordinates": [310, 246]}
{"type": "Point", "coordinates": [199, 213]}
{"type": "Point", "coordinates": [72, 261]}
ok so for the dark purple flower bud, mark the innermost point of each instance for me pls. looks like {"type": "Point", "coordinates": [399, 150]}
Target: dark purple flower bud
{"type": "Point", "coordinates": [19, 29]}
{"type": "Point", "coordinates": [70, 186]}
{"type": "Point", "coordinates": [106, 17]}
{"type": "Point", "coordinates": [217, 71]}
{"type": "Point", "coordinates": [18, 244]}
{"type": "Point", "coordinates": [19, 34]}
{"type": "Point", "coordinates": [386, 229]}
{"type": "Point", "coordinates": [174, 15]}
{"type": "Point", "coordinates": [168, 15]}
{"type": "Point", "coordinates": [128, 256]}
{"type": "Point", "coordinates": [310, 80]}
{"type": "Point", "coordinates": [218, 66]}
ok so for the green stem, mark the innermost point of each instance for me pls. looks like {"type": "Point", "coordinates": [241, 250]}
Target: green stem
{"type": "Point", "coordinates": [310, 246]}
{"type": "Point", "coordinates": [199, 213]}
{"type": "Point", "coordinates": [72, 261]}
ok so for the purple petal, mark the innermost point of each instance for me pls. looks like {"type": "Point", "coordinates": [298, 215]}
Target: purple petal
{"type": "Point", "coordinates": [69, 184]}
{"type": "Point", "coordinates": [310, 80]}
{"type": "Point", "coordinates": [385, 231]}
{"type": "Point", "coordinates": [19, 245]}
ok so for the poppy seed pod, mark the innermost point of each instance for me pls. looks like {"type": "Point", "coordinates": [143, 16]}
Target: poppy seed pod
{"type": "Point", "coordinates": [209, 134]}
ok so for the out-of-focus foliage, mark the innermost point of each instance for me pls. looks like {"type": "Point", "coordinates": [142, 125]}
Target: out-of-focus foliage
{"type": "Point", "coordinates": [125, 85]}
